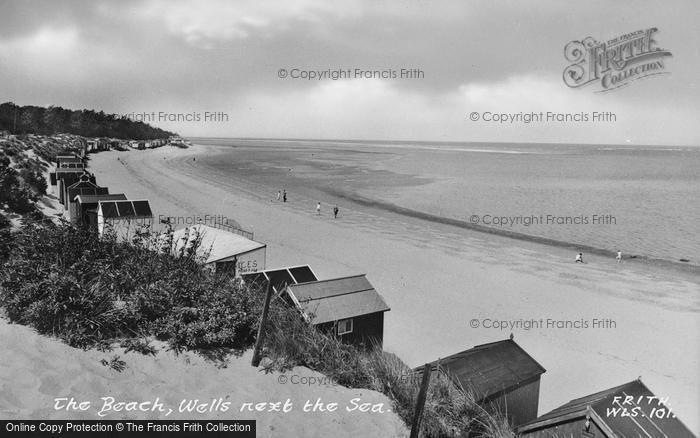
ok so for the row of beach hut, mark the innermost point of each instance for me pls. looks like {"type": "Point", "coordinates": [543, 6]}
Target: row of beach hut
{"type": "Point", "coordinates": [502, 376]}
{"type": "Point", "coordinates": [89, 205]}
{"type": "Point", "coordinates": [104, 144]}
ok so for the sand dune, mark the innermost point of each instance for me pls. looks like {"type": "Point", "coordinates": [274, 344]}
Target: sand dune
{"type": "Point", "coordinates": [34, 370]}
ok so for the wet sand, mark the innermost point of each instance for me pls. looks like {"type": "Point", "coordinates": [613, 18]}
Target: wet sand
{"type": "Point", "coordinates": [440, 281]}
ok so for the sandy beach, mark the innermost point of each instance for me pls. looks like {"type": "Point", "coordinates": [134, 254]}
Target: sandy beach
{"type": "Point", "coordinates": [644, 312]}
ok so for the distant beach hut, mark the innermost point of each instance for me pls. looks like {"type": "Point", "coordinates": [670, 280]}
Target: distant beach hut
{"type": "Point", "coordinates": [622, 411]}
{"type": "Point", "coordinates": [502, 376]}
{"type": "Point", "coordinates": [123, 217]}
{"type": "Point", "coordinates": [64, 160]}
{"type": "Point", "coordinates": [85, 208]}
{"type": "Point", "coordinates": [222, 250]}
{"type": "Point", "coordinates": [280, 278]}
{"type": "Point", "coordinates": [347, 307]}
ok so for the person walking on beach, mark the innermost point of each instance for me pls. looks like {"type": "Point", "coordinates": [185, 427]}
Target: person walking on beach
{"type": "Point", "coordinates": [335, 212]}
{"type": "Point", "coordinates": [619, 257]}
{"type": "Point", "coordinates": [579, 258]}
{"type": "Point", "coordinates": [318, 209]}
{"type": "Point", "coordinates": [279, 195]}
{"type": "Point", "coordinates": [284, 195]}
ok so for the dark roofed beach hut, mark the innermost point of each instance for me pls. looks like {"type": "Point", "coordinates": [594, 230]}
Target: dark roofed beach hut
{"type": "Point", "coordinates": [348, 307]}
{"type": "Point", "coordinates": [86, 208]}
{"type": "Point", "coordinates": [65, 161]}
{"type": "Point", "coordinates": [65, 177]}
{"type": "Point", "coordinates": [82, 187]}
{"type": "Point", "coordinates": [280, 278]}
{"type": "Point", "coordinates": [123, 217]}
{"type": "Point", "coordinates": [502, 376]}
{"type": "Point", "coordinates": [601, 415]}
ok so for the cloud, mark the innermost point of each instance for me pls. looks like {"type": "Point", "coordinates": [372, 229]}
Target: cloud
{"type": "Point", "coordinates": [46, 54]}
{"type": "Point", "coordinates": [381, 109]}
{"type": "Point", "coordinates": [144, 55]}
{"type": "Point", "coordinates": [45, 42]}
{"type": "Point", "coordinates": [205, 23]}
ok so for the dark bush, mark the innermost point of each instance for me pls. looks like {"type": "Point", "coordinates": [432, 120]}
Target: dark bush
{"type": "Point", "coordinates": [66, 282]}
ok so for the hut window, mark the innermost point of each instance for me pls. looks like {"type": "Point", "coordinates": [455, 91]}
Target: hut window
{"type": "Point", "coordinates": [344, 326]}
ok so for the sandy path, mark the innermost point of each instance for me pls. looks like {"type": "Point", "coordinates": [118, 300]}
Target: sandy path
{"type": "Point", "coordinates": [437, 279]}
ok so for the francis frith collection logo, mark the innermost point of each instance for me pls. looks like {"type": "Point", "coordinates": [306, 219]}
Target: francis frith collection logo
{"type": "Point", "coordinates": [614, 63]}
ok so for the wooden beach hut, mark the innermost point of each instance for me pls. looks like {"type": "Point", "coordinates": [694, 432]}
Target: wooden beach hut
{"type": "Point", "coordinates": [65, 177]}
{"type": "Point", "coordinates": [84, 186]}
{"type": "Point", "coordinates": [629, 410]}
{"type": "Point", "coordinates": [222, 250]}
{"type": "Point", "coordinates": [68, 161]}
{"type": "Point", "coordinates": [502, 376]}
{"type": "Point", "coordinates": [123, 217]}
{"type": "Point", "coordinates": [280, 278]}
{"type": "Point", "coordinates": [85, 208]}
{"type": "Point", "coordinates": [347, 307]}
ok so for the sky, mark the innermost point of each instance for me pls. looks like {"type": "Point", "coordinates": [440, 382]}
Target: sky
{"type": "Point", "coordinates": [185, 59]}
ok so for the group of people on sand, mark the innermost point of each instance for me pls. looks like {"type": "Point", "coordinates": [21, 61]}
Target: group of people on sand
{"type": "Point", "coordinates": [579, 257]}
{"type": "Point", "coordinates": [335, 210]}
{"type": "Point", "coordinates": [282, 195]}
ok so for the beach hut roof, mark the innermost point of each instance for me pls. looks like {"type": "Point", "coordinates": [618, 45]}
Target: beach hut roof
{"type": "Point", "coordinates": [95, 198]}
{"type": "Point", "coordinates": [219, 244]}
{"type": "Point", "coordinates": [336, 299]}
{"type": "Point", "coordinates": [81, 188]}
{"type": "Point", "coordinates": [492, 368]}
{"type": "Point", "coordinates": [83, 182]}
{"type": "Point", "coordinates": [281, 277]}
{"type": "Point", "coordinates": [595, 407]}
{"type": "Point", "coordinates": [125, 209]}
{"type": "Point", "coordinates": [77, 170]}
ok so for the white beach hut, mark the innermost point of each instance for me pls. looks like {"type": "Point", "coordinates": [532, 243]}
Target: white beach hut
{"type": "Point", "coordinates": [123, 217]}
{"type": "Point", "coordinates": [222, 251]}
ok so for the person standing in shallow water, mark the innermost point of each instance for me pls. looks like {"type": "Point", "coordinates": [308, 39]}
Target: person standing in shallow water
{"type": "Point", "coordinates": [279, 195]}
{"type": "Point", "coordinates": [284, 195]}
{"type": "Point", "coordinates": [318, 208]}
{"type": "Point", "coordinates": [335, 212]}
{"type": "Point", "coordinates": [619, 257]}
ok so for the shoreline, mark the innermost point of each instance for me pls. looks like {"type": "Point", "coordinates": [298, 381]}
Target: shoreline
{"type": "Point", "coordinates": [564, 249]}
{"type": "Point", "coordinates": [321, 177]}
{"type": "Point", "coordinates": [482, 276]}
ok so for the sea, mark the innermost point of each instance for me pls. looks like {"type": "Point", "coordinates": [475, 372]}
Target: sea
{"type": "Point", "coordinates": [643, 201]}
